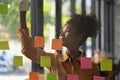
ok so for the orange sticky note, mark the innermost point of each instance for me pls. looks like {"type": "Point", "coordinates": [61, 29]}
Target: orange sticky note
{"type": "Point", "coordinates": [56, 44]}
{"type": "Point", "coordinates": [34, 76]}
{"type": "Point", "coordinates": [39, 41]}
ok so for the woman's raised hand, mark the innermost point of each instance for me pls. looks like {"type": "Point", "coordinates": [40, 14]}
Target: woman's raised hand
{"type": "Point", "coordinates": [24, 5]}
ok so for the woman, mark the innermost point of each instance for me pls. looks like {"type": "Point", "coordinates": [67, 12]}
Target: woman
{"type": "Point", "coordinates": [73, 35]}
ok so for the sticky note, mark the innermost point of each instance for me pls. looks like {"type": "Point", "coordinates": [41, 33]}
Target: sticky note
{"type": "Point", "coordinates": [4, 45]}
{"type": "Point", "coordinates": [17, 61]}
{"type": "Point", "coordinates": [98, 78]}
{"type": "Point", "coordinates": [45, 61]}
{"type": "Point", "coordinates": [39, 41]}
{"type": "Point", "coordinates": [34, 76]}
{"type": "Point", "coordinates": [3, 8]}
{"type": "Point", "coordinates": [106, 65]}
{"type": "Point", "coordinates": [56, 44]}
{"type": "Point", "coordinates": [51, 76]}
{"type": "Point", "coordinates": [72, 77]}
{"type": "Point", "coordinates": [86, 63]}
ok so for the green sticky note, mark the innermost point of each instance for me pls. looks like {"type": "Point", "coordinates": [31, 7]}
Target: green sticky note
{"type": "Point", "coordinates": [17, 61]}
{"type": "Point", "coordinates": [45, 61]}
{"type": "Point", "coordinates": [106, 65]}
{"type": "Point", "coordinates": [3, 8]}
{"type": "Point", "coordinates": [50, 76]}
{"type": "Point", "coordinates": [4, 45]}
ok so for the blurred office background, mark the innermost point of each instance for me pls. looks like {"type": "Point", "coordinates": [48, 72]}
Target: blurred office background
{"type": "Point", "coordinates": [46, 18]}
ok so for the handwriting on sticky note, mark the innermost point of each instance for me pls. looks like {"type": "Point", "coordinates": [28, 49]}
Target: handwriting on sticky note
{"type": "Point", "coordinates": [56, 44]}
{"type": "Point", "coordinates": [86, 63]}
{"type": "Point", "coordinates": [51, 76]}
{"type": "Point", "coordinates": [98, 78]}
{"type": "Point", "coordinates": [106, 65]}
{"type": "Point", "coordinates": [45, 61]}
{"type": "Point", "coordinates": [3, 8]}
{"type": "Point", "coordinates": [34, 76]}
{"type": "Point", "coordinates": [4, 45]}
{"type": "Point", "coordinates": [72, 77]}
{"type": "Point", "coordinates": [17, 61]}
{"type": "Point", "coordinates": [39, 41]}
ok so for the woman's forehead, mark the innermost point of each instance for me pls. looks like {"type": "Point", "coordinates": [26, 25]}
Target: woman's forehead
{"type": "Point", "coordinates": [67, 26]}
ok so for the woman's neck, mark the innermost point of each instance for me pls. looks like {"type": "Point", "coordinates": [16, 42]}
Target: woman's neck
{"type": "Point", "coordinates": [73, 54]}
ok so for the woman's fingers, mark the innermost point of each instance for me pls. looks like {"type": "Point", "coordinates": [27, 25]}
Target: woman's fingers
{"type": "Point", "coordinates": [24, 5]}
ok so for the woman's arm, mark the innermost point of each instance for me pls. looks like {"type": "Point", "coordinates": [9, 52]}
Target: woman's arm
{"type": "Point", "coordinates": [23, 8]}
{"type": "Point", "coordinates": [26, 41]}
{"type": "Point", "coordinates": [23, 19]}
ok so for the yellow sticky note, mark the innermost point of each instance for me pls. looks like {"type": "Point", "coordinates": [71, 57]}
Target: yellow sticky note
{"type": "Point", "coordinates": [4, 45]}
{"type": "Point", "coordinates": [51, 76]}
{"type": "Point", "coordinates": [56, 44]}
{"type": "Point", "coordinates": [106, 65]}
{"type": "Point", "coordinates": [45, 61]}
{"type": "Point", "coordinates": [39, 41]}
{"type": "Point", "coordinates": [3, 8]}
{"type": "Point", "coordinates": [17, 61]}
{"type": "Point", "coordinates": [34, 76]}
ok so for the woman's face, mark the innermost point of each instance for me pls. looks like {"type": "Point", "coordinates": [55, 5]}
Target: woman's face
{"type": "Point", "coordinates": [69, 36]}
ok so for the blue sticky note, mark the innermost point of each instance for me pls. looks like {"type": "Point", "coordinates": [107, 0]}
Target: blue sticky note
{"type": "Point", "coordinates": [4, 45]}
{"type": "Point", "coordinates": [51, 76]}
{"type": "Point", "coordinates": [3, 8]}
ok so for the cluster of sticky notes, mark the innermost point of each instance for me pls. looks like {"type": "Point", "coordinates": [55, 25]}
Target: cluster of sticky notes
{"type": "Point", "coordinates": [50, 76]}
{"type": "Point", "coordinates": [45, 61]}
{"type": "Point", "coordinates": [3, 8]}
{"type": "Point", "coordinates": [39, 41]}
{"type": "Point", "coordinates": [106, 65]}
{"type": "Point", "coordinates": [72, 77]}
{"type": "Point", "coordinates": [17, 61]}
{"type": "Point", "coordinates": [98, 78]}
{"type": "Point", "coordinates": [56, 44]}
{"type": "Point", "coordinates": [86, 63]}
{"type": "Point", "coordinates": [34, 76]}
{"type": "Point", "coordinates": [4, 45]}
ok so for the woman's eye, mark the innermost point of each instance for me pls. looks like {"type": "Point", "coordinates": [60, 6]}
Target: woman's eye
{"type": "Point", "coordinates": [67, 30]}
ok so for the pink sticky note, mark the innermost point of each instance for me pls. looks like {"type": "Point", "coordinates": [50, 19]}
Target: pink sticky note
{"type": "Point", "coordinates": [86, 63]}
{"type": "Point", "coordinates": [72, 77]}
{"type": "Point", "coordinates": [98, 78]}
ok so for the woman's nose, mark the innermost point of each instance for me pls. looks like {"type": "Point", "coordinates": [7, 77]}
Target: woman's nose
{"type": "Point", "coordinates": [62, 33]}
